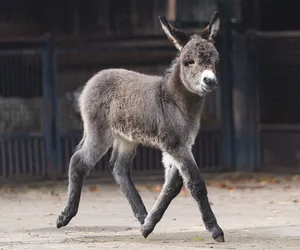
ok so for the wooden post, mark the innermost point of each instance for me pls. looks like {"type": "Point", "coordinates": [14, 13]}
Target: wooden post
{"type": "Point", "coordinates": [244, 107]}
{"type": "Point", "coordinates": [171, 14]}
{"type": "Point", "coordinates": [243, 93]}
{"type": "Point", "coordinates": [226, 78]}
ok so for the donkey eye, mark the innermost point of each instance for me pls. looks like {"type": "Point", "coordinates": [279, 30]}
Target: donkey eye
{"type": "Point", "coordinates": [189, 62]}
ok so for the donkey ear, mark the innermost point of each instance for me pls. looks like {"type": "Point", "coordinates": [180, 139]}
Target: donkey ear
{"type": "Point", "coordinates": [177, 37]}
{"type": "Point", "coordinates": [211, 30]}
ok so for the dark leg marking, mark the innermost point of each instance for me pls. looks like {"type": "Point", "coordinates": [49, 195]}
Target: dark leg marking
{"type": "Point", "coordinates": [82, 161]}
{"type": "Point", "coordinates": [192, 177]}
{"type": "Point", "coordinates": [120, 164]}
{"type": "Point", "coordinates": [172, 187]}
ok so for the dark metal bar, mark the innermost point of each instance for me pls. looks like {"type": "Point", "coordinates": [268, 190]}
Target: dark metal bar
{"type": "Point", "coordinates": [43, 158]}
{"type": "Point", "coordinates": [51, 117]}
{"type": "Point", "coordinates": [10, 158]}
{"type": "Point", "coordinates": [30, 156]}
{"type": "Point", "coordinates": [244, 99]}
{"type": "Point", "coordinates": [227, 133]}
{"type": "Point", "coordinates": [17, 156]}
{"type": "Point", "coordinates": [48, 111]}
{"type": "Point", "coordinates": [23, 155]}
{"type": "Point", "coordinates": [3, 157]}
{"type": "Point", "coordinates": [36, 154]}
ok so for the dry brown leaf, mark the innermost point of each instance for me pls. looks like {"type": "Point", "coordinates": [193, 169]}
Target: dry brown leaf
{"type": "Point", "coordinates": [184, 192]}
{"type": "Point", "coordinates": [157, 188]}
{"type": "Point", "coordinates": [94, 189]}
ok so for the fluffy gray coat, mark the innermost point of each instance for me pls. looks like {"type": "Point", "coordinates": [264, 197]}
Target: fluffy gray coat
{"type": "Point", "coordinates": [122, 108]}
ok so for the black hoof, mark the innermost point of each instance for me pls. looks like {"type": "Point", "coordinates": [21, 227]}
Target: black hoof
{"type": "Point", "coordinates": [62, 221]}
{"type": "Point", "coordinates": [146, 231]}
{"type": "Point", "coordinates": [218, 234]}
{"type": "Point", "coordinates": [142, 218]}
{"type": "Point", "coordinates": [219, 239]}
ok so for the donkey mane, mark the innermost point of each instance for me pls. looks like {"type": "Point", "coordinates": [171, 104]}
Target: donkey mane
{"type": "Point", "coordinates": [172, 67]}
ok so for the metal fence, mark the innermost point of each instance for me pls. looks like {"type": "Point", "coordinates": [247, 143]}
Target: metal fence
{"type": "Point", "coordinates": [24, 125]}
{"type": "Point", "coordinates": [39, 128]}
{"type": "Point", "coordinates": [278, 77]}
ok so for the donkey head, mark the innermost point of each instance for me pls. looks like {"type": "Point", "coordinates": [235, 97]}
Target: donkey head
{"type": "Point", "coordinates": [198, 55]}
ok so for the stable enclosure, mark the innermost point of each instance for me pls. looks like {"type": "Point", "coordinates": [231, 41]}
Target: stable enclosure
{"type": "Point", "coordinates": [251, 123]}
{"type": "Point", "coordinates": [39, 123]}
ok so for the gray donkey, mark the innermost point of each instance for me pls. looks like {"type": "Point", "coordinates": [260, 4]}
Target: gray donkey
{"type": "Point", "coordinates": [122, 108]}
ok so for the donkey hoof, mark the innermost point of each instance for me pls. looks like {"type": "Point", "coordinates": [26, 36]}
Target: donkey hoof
{"type": "Point", "coordinates": [219, 239]}
{"type": "Point", "coordinates": [141, 218]}
{"type": "Point", "coordinates": [62, 221]}
{"type": "Point", "coordinates": [146, 231]}
{"type": "Point", "coordinates": [217, 234]}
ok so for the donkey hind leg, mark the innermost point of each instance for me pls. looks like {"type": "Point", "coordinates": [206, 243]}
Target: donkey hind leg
{"type": "Point", "coordinates": [120, 163]}
{"type": "Point", "coordinates": [171, 188]}
{"type": "Point", "coordinates": [192, 177]}
{"type": "Point", "coordinates": [82, 161]}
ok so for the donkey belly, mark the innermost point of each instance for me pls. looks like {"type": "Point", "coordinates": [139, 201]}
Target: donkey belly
{"type": "Point", "coordinates": [139, 134]}
{"type": "Point", "coordinates": [135, 126]}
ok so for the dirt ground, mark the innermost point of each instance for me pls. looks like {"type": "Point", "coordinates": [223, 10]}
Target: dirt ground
{"type": "Point", "coordinates": [255, 213]}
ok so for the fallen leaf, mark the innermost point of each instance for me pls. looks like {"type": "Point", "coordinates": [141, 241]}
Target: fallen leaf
{"type": "Point", "coordinates": [184, 192]}
{"type": "Point", "coordinates": [196, 238]}
{"type": "Point", "coordinates": [94, 189]}
{"type": "Point", "coordinates": [156, 188]}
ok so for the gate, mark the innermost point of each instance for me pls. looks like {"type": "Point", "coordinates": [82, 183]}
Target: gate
{"type": "Point", "coordinates": [278, 77]}
{"type": "Point", "coordinates": [39, 122]}
{"type": "Point", "coordinates": [26, 115]}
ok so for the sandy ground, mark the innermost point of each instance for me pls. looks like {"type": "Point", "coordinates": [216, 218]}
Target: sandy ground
{"type": "Point", "coordinates": [260, 215]}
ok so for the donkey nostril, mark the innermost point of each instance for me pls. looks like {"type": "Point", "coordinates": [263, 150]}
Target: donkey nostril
{"type": "Point", "coordinates": [209, 81]}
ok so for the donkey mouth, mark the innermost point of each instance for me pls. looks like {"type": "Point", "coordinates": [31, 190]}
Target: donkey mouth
{"type": "Point", "coordinates": [208, 88]}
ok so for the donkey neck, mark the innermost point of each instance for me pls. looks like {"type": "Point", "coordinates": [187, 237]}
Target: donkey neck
{"type": "Point", "coordinates": [178, 94]}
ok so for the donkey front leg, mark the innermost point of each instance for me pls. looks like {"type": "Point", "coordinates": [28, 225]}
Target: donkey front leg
{"type": "Point", "coordinates": [187, 166]}
{"type": "Point", "coordinates": [171, 188]}
{"type": "Point", "coordinates": [120, 164]}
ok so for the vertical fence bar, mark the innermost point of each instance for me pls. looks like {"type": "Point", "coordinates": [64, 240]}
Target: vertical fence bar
{"type": "Point", "coordinates": [227, 132]}
{"type": "Point", "coordinates": [50, 102]}
{"type": "Point", "coordinates": [253, 78]}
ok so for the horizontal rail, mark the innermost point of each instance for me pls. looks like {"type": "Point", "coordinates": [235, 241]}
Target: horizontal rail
{"type": "Point", "coordinates": [113, 48]}
{"type": "Point", "coordinates": [275, 34]}
{"type": "Point", "coordinates": [280, 127]}
{"type": "Point", "coordinates": [22, 52]}
{"type": "Point", "coordinates": [20, 135]}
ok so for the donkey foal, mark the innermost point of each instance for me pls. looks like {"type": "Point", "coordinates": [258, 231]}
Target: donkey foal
{"type": "Point", "coordinates": [122, 108]}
